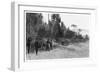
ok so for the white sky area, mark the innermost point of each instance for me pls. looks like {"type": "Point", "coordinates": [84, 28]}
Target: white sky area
{"type": "Point", "coordinates": [81, 20]}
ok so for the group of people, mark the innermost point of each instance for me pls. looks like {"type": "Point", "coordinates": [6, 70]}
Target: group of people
{"type": "Point", "coordinates": [39, 44]}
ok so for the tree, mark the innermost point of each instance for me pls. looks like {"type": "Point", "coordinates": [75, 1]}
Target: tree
{"type": "Point", "coordinates": [63, 29]}
{"type": "Point", "coordinates": [69, 34]}
{"type": "Point", "coordinates": [87, 37]}
{"type": "Point", "coordinates": [33, 23]}
{"type": "Point", "coordinates": [56, 18]}
{"type": "Point", "coordinates": [56, 29]}
{"type": "Point", "coordinates": [79, 31]}
{"type": "Point", "coordinates": [41, 32]}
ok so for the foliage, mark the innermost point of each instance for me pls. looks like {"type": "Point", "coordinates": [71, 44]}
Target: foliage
{"type": "Point", "coordinates": [55, 29]}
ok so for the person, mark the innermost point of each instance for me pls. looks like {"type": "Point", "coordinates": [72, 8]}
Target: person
{"type": "Point", "coordinates": [36, 46]}
{"type": "Point", "coordinates": [51, 44]}
{"type": "Point", "coordinates": [48, 45]}
{"type": "Point", "coordinates": [29, 43]}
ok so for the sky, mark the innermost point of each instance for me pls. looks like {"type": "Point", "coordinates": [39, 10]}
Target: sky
{"type": "Point", "coordinates": [81, 20]}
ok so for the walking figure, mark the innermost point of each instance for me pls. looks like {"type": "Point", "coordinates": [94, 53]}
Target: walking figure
{"type": "Point", "coordinates": [37, 46]}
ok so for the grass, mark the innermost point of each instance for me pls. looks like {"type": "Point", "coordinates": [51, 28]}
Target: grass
{"type": "Point", "coordinates": [74, 50]}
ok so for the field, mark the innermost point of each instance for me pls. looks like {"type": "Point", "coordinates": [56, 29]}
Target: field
{"type": "Point", "coordinates": [75, 50]}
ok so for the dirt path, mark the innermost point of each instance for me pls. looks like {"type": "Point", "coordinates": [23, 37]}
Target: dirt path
{"type": "Point", "coordinates": [71, 51]}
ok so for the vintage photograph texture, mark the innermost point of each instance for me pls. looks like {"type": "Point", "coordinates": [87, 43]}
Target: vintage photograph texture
{"type": "Point", "coordinates": [51, 35]}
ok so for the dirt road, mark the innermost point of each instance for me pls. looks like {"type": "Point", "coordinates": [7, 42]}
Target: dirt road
{"type": "Point", "coordinates": [77, 50]}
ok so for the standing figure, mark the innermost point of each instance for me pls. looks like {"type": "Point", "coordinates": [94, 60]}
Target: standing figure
{"type": "Point", "coordinates": [36, 45]}
{"type": "Point", "coordinates": [51, 44]}
{"type": "Point", "coordinates": [29, 43]}
{"type": "Point", "coordinates": [48, 45]}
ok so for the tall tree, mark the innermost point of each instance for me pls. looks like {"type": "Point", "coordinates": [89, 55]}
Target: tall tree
{"type": "Point", "coordinates": [63, 29]}
{"type": "Point", "coordinates": [33, 23]}
{"type": "Point", "coordinates": [56, 20]}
